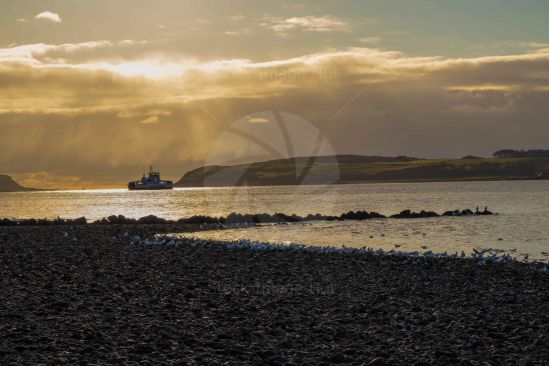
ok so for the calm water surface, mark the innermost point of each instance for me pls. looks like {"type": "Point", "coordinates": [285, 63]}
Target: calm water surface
{"type": "Point", "coordinates": [522, 223]}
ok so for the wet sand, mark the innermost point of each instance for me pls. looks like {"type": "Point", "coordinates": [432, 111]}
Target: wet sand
{"type": "Point", "coordinates": [99, 299]}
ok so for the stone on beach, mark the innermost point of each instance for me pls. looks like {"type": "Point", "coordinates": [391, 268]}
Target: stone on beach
{"type": "Point", "coordinates": [106, 300]}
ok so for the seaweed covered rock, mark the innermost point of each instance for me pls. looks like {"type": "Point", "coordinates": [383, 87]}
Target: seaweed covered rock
{"type": "Point", "coordinates": [151, 219]}
{"type": "Point", "coordinates": [408, 214]}
{"type": "Point", "coordinates": [200, 219]}
{"type": "Point", "coordinates": [120, 220]}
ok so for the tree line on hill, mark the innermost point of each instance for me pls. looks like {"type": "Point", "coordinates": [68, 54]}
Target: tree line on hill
{"type": "Point", "coordinates": [509, 153]}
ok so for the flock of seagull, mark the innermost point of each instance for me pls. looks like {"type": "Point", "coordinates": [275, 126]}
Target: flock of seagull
{"type": "Point", "coordinates": [479, 256]}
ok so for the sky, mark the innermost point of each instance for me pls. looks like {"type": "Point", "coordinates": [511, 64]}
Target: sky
{"type": "Point", "coordinates": [93, 92]}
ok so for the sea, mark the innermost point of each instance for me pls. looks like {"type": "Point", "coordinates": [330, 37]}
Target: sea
{"type": "Point", "coordinates": [521, 225]}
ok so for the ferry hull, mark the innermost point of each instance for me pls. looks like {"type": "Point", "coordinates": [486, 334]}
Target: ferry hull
{"type": "Point", "coordinates": [150, 189]}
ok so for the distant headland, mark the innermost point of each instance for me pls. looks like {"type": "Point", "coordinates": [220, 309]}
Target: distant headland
{"type": "Point", "coordinates": [7, 184]}
{"type": "Point", "coordinates": [347, 169]}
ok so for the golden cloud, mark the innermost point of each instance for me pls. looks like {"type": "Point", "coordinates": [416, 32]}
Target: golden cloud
{"type": "Point", "coordinates": [323, 24]}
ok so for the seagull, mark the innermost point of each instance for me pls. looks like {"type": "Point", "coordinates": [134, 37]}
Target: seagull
{"type": "Point", "coordinates": [424, 247]}
{"type": "Point", "coordinates": [513, 250]}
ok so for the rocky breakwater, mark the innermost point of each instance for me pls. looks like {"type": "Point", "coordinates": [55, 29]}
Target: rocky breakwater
{"type": "Point", "coordinates": [87, 295]}
{"type": "Point", "coordinates": [236, 218]}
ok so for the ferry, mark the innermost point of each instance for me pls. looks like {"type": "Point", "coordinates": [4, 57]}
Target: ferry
{"type": "Point", "coordinates": [152, 182]}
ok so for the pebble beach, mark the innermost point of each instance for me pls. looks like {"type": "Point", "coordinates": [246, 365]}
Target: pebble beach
{"type": "Point", "coordinates": [90, 295]}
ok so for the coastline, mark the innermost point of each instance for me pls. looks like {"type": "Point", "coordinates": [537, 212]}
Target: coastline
{"type": "Point", "coordinates": [101, 299]}
{"type": "Point", "coordinates": [309, 183]}
{"type": "Point", "coordinates": [351, 182]}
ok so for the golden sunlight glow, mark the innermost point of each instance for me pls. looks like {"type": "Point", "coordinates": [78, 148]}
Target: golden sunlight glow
{"type": "Point", "coordinates": [146, 68]}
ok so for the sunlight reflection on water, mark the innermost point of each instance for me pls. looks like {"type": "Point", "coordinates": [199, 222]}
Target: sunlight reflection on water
{"type": "Point", "coordinates": [523, 206]}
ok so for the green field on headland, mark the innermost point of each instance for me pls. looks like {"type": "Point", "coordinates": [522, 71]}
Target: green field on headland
{"type": "Point", "coordinates": [343, 169]}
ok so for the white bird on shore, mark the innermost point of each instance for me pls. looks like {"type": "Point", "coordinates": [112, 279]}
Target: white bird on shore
{"type": "Point", "coordinates": [478, 257]}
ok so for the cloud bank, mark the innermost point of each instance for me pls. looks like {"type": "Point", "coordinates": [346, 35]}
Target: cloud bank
{"type": "Point", "coordinates": [324, 24]}
{"type": "Point", "coordinates": [72, 109]}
